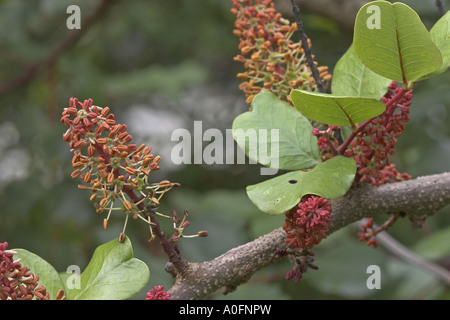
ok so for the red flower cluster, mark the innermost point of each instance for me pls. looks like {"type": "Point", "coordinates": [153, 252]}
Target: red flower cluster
{"type": "Point", "coordinates": [327, 141]}
{"type": "Point", "coordinates": [272, 59]}
{"type": "Point", "coordinates": [374, 144]}
{"type": "Point", "coordinates": [307, 224]}
{"type": "Point", "coordinates": [368, 233]}
{"type": "Point", "coordinates": [16, 281]}
{"type": "Point", "coordinates": [157, 294]}
{"type": "Point", "coordinates": [302, 263]}
{"type": "Point", "coordinates": [112, 167]}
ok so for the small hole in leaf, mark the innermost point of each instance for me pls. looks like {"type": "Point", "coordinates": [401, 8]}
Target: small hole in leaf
{"type": "Point", "coordinates": [293, 181]}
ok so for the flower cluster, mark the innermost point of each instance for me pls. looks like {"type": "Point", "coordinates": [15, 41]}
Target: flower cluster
{"type": "Point", "coordinates": [327, 140]}
{"type": "Point", "coordinates": [368, 233]}
{"type": "Point", "coordinates": [307, 224]}
{"type": "Point", "coordinates": [16, 281]}
{"type": "Point", "coordinates": [374, 144]}
{"type": "Point", "coordinates": [272, 59]}
{"type": "Point", "coordinates": [302, 263]}
{"type": "Point", "coordinates": [112, 168]}
{"type": "Point", "coordinates": [157, 294]}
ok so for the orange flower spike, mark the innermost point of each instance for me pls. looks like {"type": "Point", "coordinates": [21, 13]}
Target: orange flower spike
{"type": "Point", "coordinates": [102, 149]}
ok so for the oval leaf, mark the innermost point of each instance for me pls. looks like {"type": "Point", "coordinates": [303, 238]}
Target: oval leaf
{"type": "Point", "coordinates": [440, 35]}
{"type": "Point", "coordinates": [112, 274]}
{"type": "Point", "coordinates": [336, 110]}
{"type": "Point", "coordinates": [352, 78]}
{"type": "Point", "coordinates": [392, 41]}
{"type": "Point", "coordinates": [291, 147]}
{"type": "Point", "coordinates": [48, 276]}
{"type": "Point", "coordinates": [330, 179]}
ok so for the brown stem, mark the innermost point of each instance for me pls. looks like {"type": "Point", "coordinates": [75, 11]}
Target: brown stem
{"type": "Point", "coordinates": [181, 265]}
{"type": "Point", "coordinates": [440, 7]}
{"type": "Point", "coordinates": [306, 49]}
{"type": "Point", "coordinates": [409, 256]}
{"type": "Point", "coordinates": [341, 149]}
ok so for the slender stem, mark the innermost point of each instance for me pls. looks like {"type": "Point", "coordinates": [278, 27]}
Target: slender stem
{"type": "Point", "coordinates": [390, 103]}
{"type": "Point", "coordinates": [405, 254]}
{"type": "Point", "coordinates": [440, 7]}
{"type": "Point", "coordinates": [341, 149]}
{"type": "Point", "coordinates": [306, 49]}
{"type": "Point", "coordinates": [30, 71]}
{"type": "Point", "coordinates": [180, 264]}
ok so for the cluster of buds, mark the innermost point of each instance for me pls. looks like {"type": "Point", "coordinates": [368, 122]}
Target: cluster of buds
{"type": "Point", "coordinates": [180, 225]}
{"type": "Point", "coordinates": [272, 59]}
{"type": "Point", "coordinates": [302, 264]}
{"type": "Point", "coordinates": [307, 224]}
{"type": "Point", "coordinates": [370, 230]}
{"type": "Point", "coordinates": [374, 144]}
{"type": "Point", "coordinates": [368, 233]}
{"type": "Point", "coordinates": [16, 281]}
{"type": "Point", "coordinates": [302, 259]}
{"type": "Point", "coordinates": [327, 141]}
{"type": "Point", "coordinates": [157, 293]}
{"type": "Point", "coordinates": [111, 167]}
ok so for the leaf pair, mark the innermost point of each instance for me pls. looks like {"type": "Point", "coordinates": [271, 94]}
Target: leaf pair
{"type": "Point", "coordinates": [112, 273]}
{"type": "Point", "coordinates": [390, 43]}
{"type": "Point", "coordinates": [298, 150]}
{"type": "Point", "coordinates": [391, 40]}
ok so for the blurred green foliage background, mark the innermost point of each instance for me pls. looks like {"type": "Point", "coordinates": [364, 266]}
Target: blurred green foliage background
{"type": "Point", "coordinates": [160, 65]}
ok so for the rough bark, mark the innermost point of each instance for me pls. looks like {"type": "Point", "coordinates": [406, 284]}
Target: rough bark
{"type": "Point", "coordinates": [420, 197]}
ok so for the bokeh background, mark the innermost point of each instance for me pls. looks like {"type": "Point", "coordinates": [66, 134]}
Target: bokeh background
{"type": "Point", "coordinates": [161, 65]}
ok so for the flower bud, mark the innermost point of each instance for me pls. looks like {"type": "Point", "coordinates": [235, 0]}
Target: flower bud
{"type": "Point", "coordinates": [202, 233]}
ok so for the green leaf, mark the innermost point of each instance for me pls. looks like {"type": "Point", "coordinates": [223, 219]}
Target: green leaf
{"type": "Point", "coordinates": [330, 179]}
{"type": "Point", "coordinates": [48, 276]}
{"type": "Point", "coordinates": [440, 35]}
{"type": "Point", "coordinates": [112, 274]}
{"type": "Point", "coordinates": [295, 148]}
{"type": "Point", "coordinates": [392, 41]}
{"type": "Point", "coordinates": [352, 78]}
{"type": "Point", "coordinates": [336, 110]}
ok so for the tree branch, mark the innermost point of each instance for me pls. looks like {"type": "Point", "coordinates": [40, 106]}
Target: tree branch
{"type": "Point", "coordinates": [30, 71]}
{"type": "Point", "coordinates": [422, 197]}
{"type": "Point", "coordinates": [407, 255]}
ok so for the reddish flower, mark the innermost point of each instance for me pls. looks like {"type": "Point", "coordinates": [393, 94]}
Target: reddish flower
{"type": "Point", "coordinates": [16, 281]}
{"type": "Point", "coordinates": [157, 294]}
{"type": "Point", "coordinates": [109, 165]}
{"type": "Point", "coordinates": [302, 263]}
{"type": "Point", "coordinates": [327, 141]}
{"type": "Point", "coordinates": [374, 145]}
{"type": "Point", "coordinates": [272, 59]}
{"type": "Point", "coordinates": [307, 224]}
{"type": "Point", "coordinates": [368, 233]}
